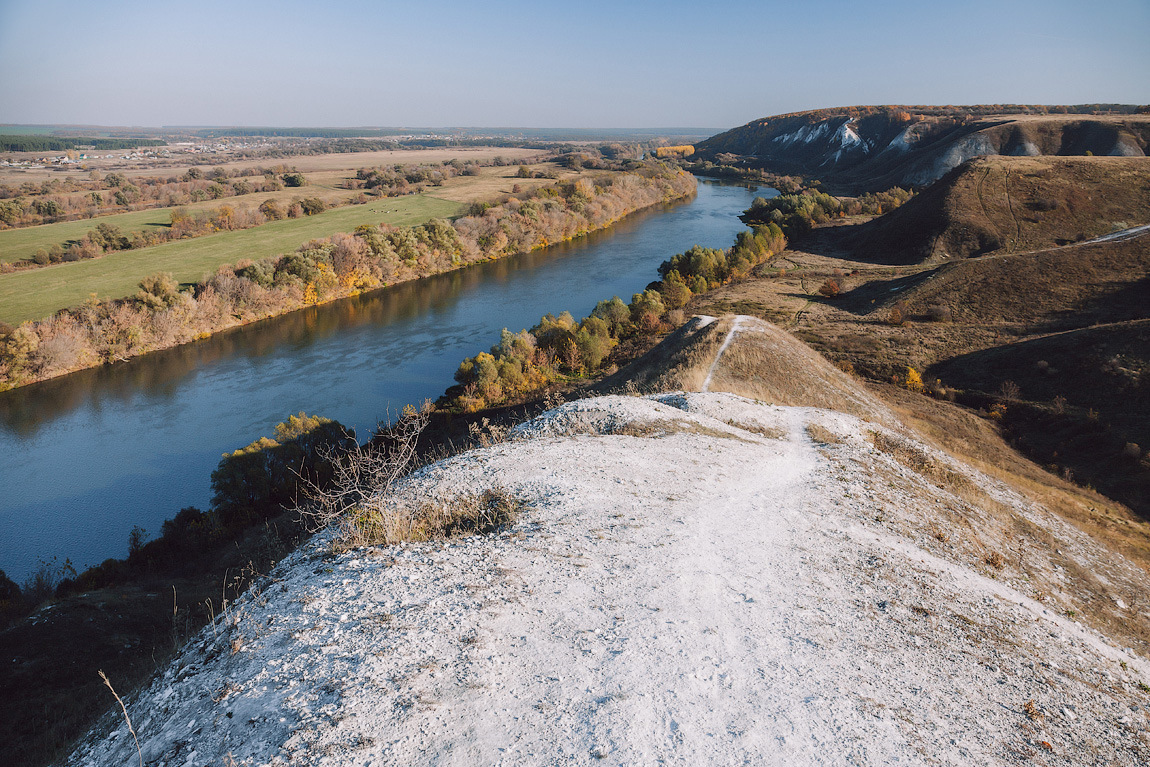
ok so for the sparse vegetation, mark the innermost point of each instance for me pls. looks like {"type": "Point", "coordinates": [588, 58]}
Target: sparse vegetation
{"type": "Point", "coordinates": [823, 435]}
{"type": "Point", "coordinates": [358, 498]}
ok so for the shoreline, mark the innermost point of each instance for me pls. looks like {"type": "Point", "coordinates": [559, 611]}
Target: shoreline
{"type": "Point", "coordinates": [298, 299]}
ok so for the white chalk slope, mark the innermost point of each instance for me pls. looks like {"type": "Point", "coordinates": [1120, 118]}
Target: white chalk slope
{"type": "Point", "coordinates": [695, 582]}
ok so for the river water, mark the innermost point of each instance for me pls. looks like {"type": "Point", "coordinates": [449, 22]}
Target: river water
{"type": "Point", "coordinates": [88, 456]}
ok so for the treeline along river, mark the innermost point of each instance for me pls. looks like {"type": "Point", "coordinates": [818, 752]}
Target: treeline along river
{"type": "Point", "coordinates": [88, 456]}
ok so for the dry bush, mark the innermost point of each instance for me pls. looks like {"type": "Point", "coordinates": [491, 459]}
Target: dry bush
{"type": "Point", "coordinates": [362, 472]}
{"type": "Point", "coordinates": [830, 288]}
{"type": "Point", "coordinates": [939, 313]}
{"type": "Point", "coordinates": [359, 502]}
{"type": "Point", "coordinates": [1009, 391]}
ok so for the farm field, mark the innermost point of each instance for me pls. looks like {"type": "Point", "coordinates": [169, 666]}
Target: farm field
{"type": "Point", "coordinates": [327, 185]}
{"type": "Point", "coordinates": [38, 293]}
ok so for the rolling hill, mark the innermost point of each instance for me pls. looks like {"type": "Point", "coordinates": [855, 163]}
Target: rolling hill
{"type": "Point", "coordinates": [875, 148]}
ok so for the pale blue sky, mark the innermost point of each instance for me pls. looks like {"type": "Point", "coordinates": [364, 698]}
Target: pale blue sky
{"type": "Point", "coordinates": [596, 63]}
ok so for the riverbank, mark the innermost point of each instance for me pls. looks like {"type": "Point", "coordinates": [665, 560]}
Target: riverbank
{"type": "Point", "coordinates": [161, 315]}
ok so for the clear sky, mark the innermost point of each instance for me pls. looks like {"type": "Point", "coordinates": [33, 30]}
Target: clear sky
{"type": "Point", "coordinates": [537, 63]}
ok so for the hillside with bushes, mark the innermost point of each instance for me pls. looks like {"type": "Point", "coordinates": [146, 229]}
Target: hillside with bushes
{"type": "Point", "coordinates": [994, 205]}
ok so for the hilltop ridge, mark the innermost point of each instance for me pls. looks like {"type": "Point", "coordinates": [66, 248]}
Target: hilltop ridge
{"type": "Point", "coordinates": [874, 148]}
{"type": "Point", "coordinates": [698, 577]}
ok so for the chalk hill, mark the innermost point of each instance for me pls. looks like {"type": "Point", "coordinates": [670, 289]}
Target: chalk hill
{"type": "Point", "coordinates": [874, 148]}
{"type": "Point", "coordinates": [701, 578]}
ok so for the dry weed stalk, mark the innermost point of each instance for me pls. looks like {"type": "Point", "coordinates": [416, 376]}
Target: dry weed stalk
{"type": "Point", "coordinates": [127, 719]}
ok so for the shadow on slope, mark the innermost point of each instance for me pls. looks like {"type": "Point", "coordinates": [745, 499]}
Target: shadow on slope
{"type": "Point", "coordinates": [1077, 402]}
{"type": "Point", "coordinates": [1010, 205]}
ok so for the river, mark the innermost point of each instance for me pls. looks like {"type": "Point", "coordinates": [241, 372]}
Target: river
{"type": "Point", "coordinates": [90, 455]}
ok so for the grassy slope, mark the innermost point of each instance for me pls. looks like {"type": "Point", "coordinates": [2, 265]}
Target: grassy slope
{"type": "Point", "coordinates": [17, 244]}
{"type": "Point", "coordinates": [1011, 205]}
{"type": "Point", "coordinates": [37, 293]}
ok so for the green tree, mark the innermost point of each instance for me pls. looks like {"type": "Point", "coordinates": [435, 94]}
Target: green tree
{"type": "Point", "coordinates": [260, 479]}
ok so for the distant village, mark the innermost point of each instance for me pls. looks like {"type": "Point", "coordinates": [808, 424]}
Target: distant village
{"type": "Point", "coordinates": [78, 156]}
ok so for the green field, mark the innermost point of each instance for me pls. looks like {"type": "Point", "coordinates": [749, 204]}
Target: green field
{"type": "Point", "coordinates": [37, 293]}
{"type": "Point", "coordinates": [19, 244]}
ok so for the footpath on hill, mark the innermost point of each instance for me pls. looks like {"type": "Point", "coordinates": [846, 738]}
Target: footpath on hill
{"type": "Point", "coordinates": [699, 579]}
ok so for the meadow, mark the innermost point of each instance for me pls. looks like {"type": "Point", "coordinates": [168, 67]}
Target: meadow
{"type": "Point", "coordinates": [38, 293]}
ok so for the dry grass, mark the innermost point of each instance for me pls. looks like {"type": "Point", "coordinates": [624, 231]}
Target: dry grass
{"type": "Point", "coordinates": [764, 362]}
{"type": "Point", "coordinates": [388, 521]}
{"type": "Point", "coordinates": [1116, 561]}
{"type": "Point", "coordinates": [1015, 204]}
{"type": "Point", "coordinates": [677, 363]}
{"type": "Point", "coordinates": [919, 461]}
{"type": "Point", "coordinates": [770, 432]}
{"type": "Point", "coordinates": [823, 435]}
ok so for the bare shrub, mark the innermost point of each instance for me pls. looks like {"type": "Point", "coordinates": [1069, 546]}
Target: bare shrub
{"type": "Point", "coordinates": [41, 585]}
{"type": "Point", "coordinates": [1008, 391]}
{"type": "Point", "coordinates": [359, 501]}
{"type": "Point", "coordinates": [486, 433]}
{"type": "Point", "coordinates": [362, 472]}
{"type": "Point", "coordinates": [939, 313]}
